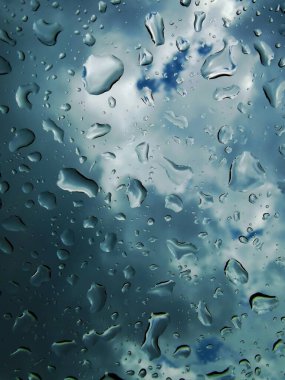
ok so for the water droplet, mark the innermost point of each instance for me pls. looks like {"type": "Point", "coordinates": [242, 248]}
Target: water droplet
{"type": "Point", "coordinates": [67, 237]}
{"type": "Point", "coordinates": [102, 6]}
{"type": "Point", "coordinates": [204, 314]}
{"type": "Point", "coordinates": [246, 173]}
{"type": "Point", "coordinates": [220, 63]}
{"type": "Point", "coordinates": [109, 242]}
{"type": "Point", "coordinates": [158, 322]}
{"type": "Point", "coordinates": [100, 73]}
{"type": "Point", "coordinates": [198, 21]}
{"type": "Point", "coordinates": [6, 246]}
{"type": "Point", "coordinates": [173, 202]}
{"type": "Point", "coordinates": [62, 254]}
{"type": "Point", "coordinates": [63, 347]}
{"type": "Point", "coordinates": [5, 67]}
{"type": "Point", "coordinates": [50, 126]}
{"type": "Point", "coordinates": [205, 201]}
{"type": "Point", "coordinates": [42, 275]}
{"type": "Point", "coordinates": [97, 297]}
{"type": "Point", "coordinates": [230, 92]}
{"type": "Point", "coordinates": [25, 321]}
{"type": "Point", "coordinates": [112, 102]}
{"type": "Point", "coordinates": [274, 90]}
{"type": "Point", "coordinates": [35, 4]}
{"type": "Point", "coordinates": [21, 139]}
{"type": "Point", "coordinates": [180, 249]}
{"type": "Point", "coordinates": [23, 92]}
{"type": "Point", "coordinates": [90, 222]}
{"type": "Point", "coordinates": [177, 121]}
{"type": "Point", "coordinates": [97, 130]}
{"type": "Point", "coordinates": [110, 376]}
{"type": "Point", "coordinates": [47, 200]}
{"type": "Point", "coordinates": [163, 289]}
{"type": "Point", "coordinates": [4, 36]}
{"type": "Point", "coordinates": [185, 3]}
{"type": "Point", "coordinates": [92, 337]}
{"type": "Point", "coordinates": [136, 193]}
{"type": "Point", "coordinates": [182, 43]}
{"type": "Point", "coordinates": [155, 26]}
{"type": "Point", "coordinates": [46, 32]}
{"type": "Point", "coordinates": [225, 134]}
{"type": "Point", "coordinates": [71, 180]}
{"type": "Point", "coordinates": [89, 39]}
{"type": "Point", "coordinates": [262, 303]}
{"type": "Point", "coordinates": [145, 57]}
{"type": "Point", "coordinates": [178, 174]}
{"type": "Point", "coordinates": [265, 52]}
{"type": "Point", "coordinates": [235, 272]}
{"type": "Point", "coordinates": [14, 223]}
{"type": "Point", "coordinates": [182, 352]}
{"type": "Point", "coordinates": [129, 272]}
{"type": "Point", "coordinates": [142, 150]}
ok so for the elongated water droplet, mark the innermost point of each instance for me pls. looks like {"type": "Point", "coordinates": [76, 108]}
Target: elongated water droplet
{"type": "Point", "coordinates": [5, 67]}
{"type": "Point", "coordinates": [145, 57]}
{"type": "Point", "coordinates": [6, 246]}
{"type": "Point", "coordinates": [182, 351]}
{"type": "Point", "coordinates": [23, 93]}
{"type": "Point", "coordinates": [158, 322]}
{"type": "Point", "coordinates": [63, 347]}
{"type": "Point", "coordinates": [180, 249]}
{"type": "Point", "coordinates": [142, 150]}
{"type": "Point", "coordinates": [155, 26]}
{"type": "Point", "coordinates": [136, 193]}
{"type": "Point", "coordinates": [178, 174]}
{"type": "Point", "coordinates": [97, 130]}
{"type": "Point", "coordinates": [230, 92]}
{"type": "Point", "coordinates": [263, 303]}
{"type": "Point", "coordinates": [4, 36]}
{"type": "Point", "coordinates": [46, 32]}
{"type": "Point", "coordinates": [246, 173]}
{"type": "Point", "coordinates": [72, 180]}
{"type": "Point", "coordinates": [265, 52]}
{"type": "Point", "coordinates": [177, 121]}
{"type": "Point", "coordinates": [22, 138]}
{"type": "Point", "coordinates": [163, 289]}
{"type": "Point", "coordinates": [14, 223]}
{"type": "Point", "coordinates": [235, 272]}
{"type": "Point", "coordinates": [25, 322]}
{"type": "Point", "coordinates": [97, 297]}
{"type": "Point", "coordinates": [100, 73]}
{"type": "Point", "coordinates": [173, 202]}
{"type": "Point", "coordinates": [198, 21]}
{"type": "Point", "coordinates": [50, 126]}
{"type": "Point", "coordinates": [220, 63]}
{"type": "Point", "coordinates": [92, 337]}
{"type": "Point", "coordinates": [204, 314]}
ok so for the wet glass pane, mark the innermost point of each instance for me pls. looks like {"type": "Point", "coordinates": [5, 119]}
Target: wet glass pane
{"type": "Point", "coordinates": [142, 189]}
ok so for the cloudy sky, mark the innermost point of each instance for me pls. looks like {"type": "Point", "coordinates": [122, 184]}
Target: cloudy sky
{"type": "Point", "coordinates": [142, 226]}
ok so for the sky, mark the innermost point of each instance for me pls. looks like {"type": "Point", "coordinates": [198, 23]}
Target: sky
{"type": "Point", "coordinates": [222, 161]}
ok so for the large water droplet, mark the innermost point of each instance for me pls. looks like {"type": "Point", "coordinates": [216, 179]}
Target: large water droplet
{"type": "Point", "coordinates": [198, 21]}
{"type": "Point", "coordinates": [235, 272]}
{"type": "Point", "coordinates": [246, 173]}
{"type": "Point", "coordinates": [155, 26]}
{"type": "Point", "coordinates": [274, 90]}
{"type": "Point", "coordinates": [92, 337]}
{"type": "Point", "coordinates": [50, 126]}
{"type": "Point", "coordinates": [100, 73]}
{"type": "Point", "coordinates": [145, 57]}
{"type": "Point", "coordinates": [25, 321]}
{"type": "Point", "coordinates": [220, 63]}
{"type": "Point", "coordinates": [265, 52]}
{"type": "Point", "coordinates": [47, 200]}
{"type": "Point", "coordinates": [178, 174]}
{"type": "Point", "coordinates": [22, 138]}
{"type": "Point", "coordinates": [63, 347]}
{"type": "Point", "coordinates": [163, 289]}
{"type": "Point", "coordinates": [42, 275]}
{"type": "Point", "coordinates": [182, 351]}
{"type": "Point", "coordinates": [97, 297]}
{"type": "Point", "coordinates": [262, 303]}
{"type": "Point", "coordinates": [173, 202]}
{"type": "Point", "coordinates": [142, 150]}
{"type": "Point", "coordinates": [136, 193]}
{"type": "Point", "coordinates": [182, 43]}
{"type": "Point", "coordinates": [97, 130]}
{"type": "Point", "coordinates": [72, 180]}
{"type": "Point", "coordinates": [23, 93]}
{"type": "Point", "coordinates": [230, 92]}
{"type": "Point", "coordinates": [225, 134]}
{"type": "Point", "coordinates": [46, 32]}
{"type": "Point", "coordinates": [157, 324]}
{"type": "Point", "coordinates": [14, 223]}
{"type": "Point", "coordinates": [180, 249]}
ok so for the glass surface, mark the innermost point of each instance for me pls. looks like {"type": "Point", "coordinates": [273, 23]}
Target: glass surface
{"type": "Point", "coordinates": [142, 189]}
